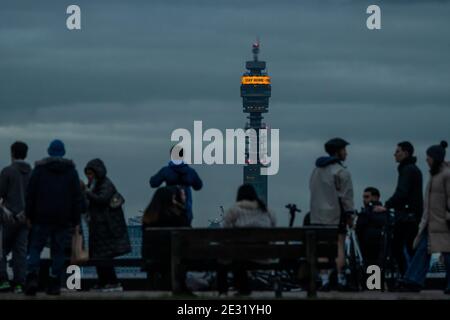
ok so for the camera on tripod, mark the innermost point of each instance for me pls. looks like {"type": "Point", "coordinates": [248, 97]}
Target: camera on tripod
{"type": "Point", "coordinates": [292, 211]}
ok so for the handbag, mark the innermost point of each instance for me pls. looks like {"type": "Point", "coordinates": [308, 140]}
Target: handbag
{"type": "Point", "coordinates": [79, 254]}
{"type": "Point", "coordinates": [116, 201]}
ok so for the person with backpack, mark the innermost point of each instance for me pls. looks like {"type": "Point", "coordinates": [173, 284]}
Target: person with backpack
{"type": "Point", "coordinates": [13, 184]}
{"type": "Point", "coordinates": [434, 228]}
{"type": "Point", "coordinates": [331, 201]}
{"type": "Point", "coordinates": [179, 173]}
{"type": "Point", "coordinates": [53, 209]}
{"type": "Point", "coordinates": [108, 232]}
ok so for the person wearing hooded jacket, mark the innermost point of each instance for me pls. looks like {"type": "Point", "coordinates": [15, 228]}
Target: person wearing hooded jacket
{"type": "Point", "coordinates": [13, 183]}
{"type": "Point", "coordinates": [434, 228]}
{"type": "Point", "coordinates": [407, 202]}
{"type": "Point", "coordinates": [52, 208]}
{"type": "Point", "coordinates": [178, 173]}
{"type": "Point", "coordinates": [331, 201]}
{"type": "Point", "coordinates": [108, 233]}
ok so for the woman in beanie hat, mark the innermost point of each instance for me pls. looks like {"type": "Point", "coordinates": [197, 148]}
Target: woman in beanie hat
{"type": "Point", "coordinates": [434, 228]}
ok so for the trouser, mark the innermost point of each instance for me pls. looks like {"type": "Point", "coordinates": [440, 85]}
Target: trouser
{"type": "Point", "coordinates": [240, 277]}
{"type": "Point", "coordinates": [420, 264]}
{"type": "Point", "coordinates": [106, 275]}
{"type": "Point", "coordinates": [39, 235]}
{"type": "Point", "coordinates": [15, 240]}
{"type": "Point", "coordinates": [402, 247]}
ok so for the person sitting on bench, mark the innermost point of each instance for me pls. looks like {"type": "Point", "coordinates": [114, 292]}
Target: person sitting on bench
{"type": "Point", "coordinates": [166, 210]}
{"type": "Point", "coordinates": [248, 211]}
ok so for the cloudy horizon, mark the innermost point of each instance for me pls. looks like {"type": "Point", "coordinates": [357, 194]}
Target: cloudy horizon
{"type": "Point", "coordinates": [117, 89]}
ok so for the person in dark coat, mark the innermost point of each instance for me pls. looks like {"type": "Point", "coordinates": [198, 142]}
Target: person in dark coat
{"type": "Point", "coordinates": [407, 202]}
{"type": "Point", "coordinates": [52, 208]}
{"type": "Point", "coordinates": [166, 210]}
{"type": "Point", "coordinates": [13, 184]}
{"type": "Point", "coordinates": [108, 233]}
{"type": "Point", "coordinates": [370, 226]}
{"type": "Point", "coordinates": [178, 173]}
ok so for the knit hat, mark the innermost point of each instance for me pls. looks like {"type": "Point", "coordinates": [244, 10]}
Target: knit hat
{"type": "Point", "coordinates": [437, 152]}
{"type": "Point", "coordinates": [56, 149]}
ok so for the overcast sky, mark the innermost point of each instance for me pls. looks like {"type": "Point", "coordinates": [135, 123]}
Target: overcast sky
{"type": "Point", "coordinates": [140, 69]}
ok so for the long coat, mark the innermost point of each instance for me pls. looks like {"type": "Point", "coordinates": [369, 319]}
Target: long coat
{"type": "Point", "coordinates": [108, 233]}
{"type": "Point", "coordinates": [435, 215]}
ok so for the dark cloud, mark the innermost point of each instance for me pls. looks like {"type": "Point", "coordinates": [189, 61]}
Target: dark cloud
{"type": "Point", "coordinates": [137, 71]}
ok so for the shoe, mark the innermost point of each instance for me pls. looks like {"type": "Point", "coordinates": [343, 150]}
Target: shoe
{"type": "Point", "coordinates": [31, 284]}
{"type": "Point", "coordinates": [18, 289]}
{"type": "Point", "coordinates": [117, 287]}
{"type": "Point", "coordinates": [5, 286]}
{"type": "Point", "coordinates": [54, 286]}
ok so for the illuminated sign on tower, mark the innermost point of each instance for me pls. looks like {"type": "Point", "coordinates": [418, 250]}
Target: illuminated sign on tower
{"type": "Point", "coordinates": [255, 93]}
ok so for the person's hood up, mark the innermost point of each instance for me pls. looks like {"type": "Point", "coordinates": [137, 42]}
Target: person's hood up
{"type": "Point", "coordinates": [98, 167]}
{"type": "Point", "coordinates": [323, 162]}
{"type": "Point", "coordinates": [22, 166]}
{"type": "Point", "coordinates": [56, 164]}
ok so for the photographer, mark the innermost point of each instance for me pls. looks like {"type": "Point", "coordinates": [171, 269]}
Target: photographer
{"type": "Point", "coordinates": [369, 226]}
{"type": "Point", "coordinates": [332, 200]}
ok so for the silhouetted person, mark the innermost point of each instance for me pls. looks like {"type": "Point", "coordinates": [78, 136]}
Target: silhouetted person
{"type": "Point", "coordinates": [178, 173]}
{"type": "Point", "coordinates": [434, 229]}
{"type": "Point", "coordinates": [53, 208]}
{"type": "Point", "coordinates": [248, 211]}
{"type": "Point", "coordinates": [407, 201]}
{"type": "Point", "coordinates": [369, 227]}
{"type": "Point", "coordinates": [167, 209]}
{"type": "Point", "coordinates": [332, 200]}
{"type": "Point", "coordinates": [108, 232]}
{"type": "Point", "coordinates": [13, 184]}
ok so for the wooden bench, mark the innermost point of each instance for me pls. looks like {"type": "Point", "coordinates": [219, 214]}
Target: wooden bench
{"type": "Point", "coordinates": [200, 249]}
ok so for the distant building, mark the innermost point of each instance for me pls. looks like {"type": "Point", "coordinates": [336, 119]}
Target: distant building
{"type": "Point", "coordinates": [255, 93]}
